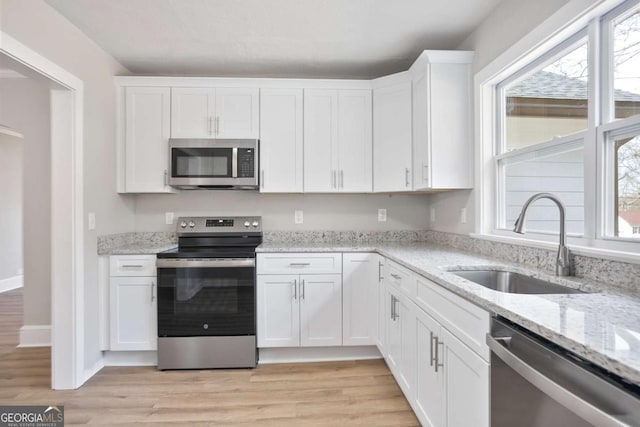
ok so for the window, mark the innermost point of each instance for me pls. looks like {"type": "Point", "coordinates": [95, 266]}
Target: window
{"type": "Point", "coordinates": [557, 129]}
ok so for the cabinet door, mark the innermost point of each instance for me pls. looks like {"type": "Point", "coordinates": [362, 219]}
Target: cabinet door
{"type": "Point", "coordinates": [355, 144]}
{"type": "Point", "coordinates": [278, 311]}
{"type": "Point", "coordinates": [392, 138]}
{"type": "Point", "coordinates": [237, 112]}
{"type": "Point", "coordinates": [193, 112]}
{"type": "Point", "coordinates": [320, 310]}
{"type": "Point", "coordinates": [359, 298]}
{"type": "Point", "coordinates": [406, 316]}
{"type": "Point", "coordinates": [429, 390]}
{"type": "Point", "coordinates": [394, 332]}
{"type": "Point", "coordinates": [320, 140]}
{"type": "Point", "coordinates": [133, 310]}
{"type": "Point", "coordinates": [281, 140]}
{"type": "Point", "coordinates": [421, 128]}
{"type": "Point", "coordinates": [383, 307]}
{"type": "Point", "coordinates": [147, 115]}
{"type": "Point", "coordinates": [466, 378]}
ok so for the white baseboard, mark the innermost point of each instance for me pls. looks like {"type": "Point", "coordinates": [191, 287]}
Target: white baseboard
{"type": "Point", "coordinates": [91, 371]}
{"type": "Point", "coordinates": [35, 336]}
{"type": "Point", "coordinates": [316, 354]}
{"type": "Point", "coordinates": [11, 283]}
{"type": "Point", "coordinates": [130, 358]}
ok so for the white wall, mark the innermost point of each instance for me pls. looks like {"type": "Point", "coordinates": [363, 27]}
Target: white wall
{"type": "Point", "coordinates": [510, 21]}
{"type": "Point", "coordinates": [321, 211]}
{"type": "Point", "coordinates": [25, 108]}
{"type": "Point", "coordinates": [38, 26]}
{"type": "Point", "coordinates": [10, 204]}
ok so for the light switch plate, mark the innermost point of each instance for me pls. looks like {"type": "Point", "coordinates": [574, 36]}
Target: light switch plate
{"type": "Point", "coordinates": [298, 217]}
{"type": "Point", "coordinates": [463, 215]}
{"type": "Point", "coordinates": [168, 218]}
{"type": "Point", "coordinates": [382, 215]}
{"type": "Point", "coordinates": [91, 221]}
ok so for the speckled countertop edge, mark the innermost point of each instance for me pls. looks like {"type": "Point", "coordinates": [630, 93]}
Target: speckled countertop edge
{"type": "Point", "coordinates": [606, 314]}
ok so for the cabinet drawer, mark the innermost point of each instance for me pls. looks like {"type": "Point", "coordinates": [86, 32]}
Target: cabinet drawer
{"type": "Point", "coordinates": [401, 278]}
{"type": "Point", "coordinates": [132, 265]}
{"type": "Point", "coordinates": [299, 263]}
{"type": "Point", "coordinates": [468, 322]}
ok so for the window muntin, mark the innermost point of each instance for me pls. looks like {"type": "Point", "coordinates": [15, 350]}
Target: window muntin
{"type": "Point", "coordinates": [547, 102]}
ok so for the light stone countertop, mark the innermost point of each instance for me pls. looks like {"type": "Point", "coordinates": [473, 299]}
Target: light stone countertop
{"type": "Point", "coordinates": [149, 243]}
{"type": "Point", "coordinates": [602, 327]}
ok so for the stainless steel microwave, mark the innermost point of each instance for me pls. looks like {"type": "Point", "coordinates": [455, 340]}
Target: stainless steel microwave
{"type": "Point", "coordinates": [213, 163]}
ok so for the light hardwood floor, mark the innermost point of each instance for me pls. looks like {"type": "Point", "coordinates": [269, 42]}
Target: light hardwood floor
{"type": "Point", "coordinates": [360, 393]}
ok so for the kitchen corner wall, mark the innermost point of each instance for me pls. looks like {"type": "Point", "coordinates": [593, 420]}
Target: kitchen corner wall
{"type": "Point", "coordinates": [38, 26]}
{"type": "Point", "coordinates": [10, 206]}
{"type": "Point", "coordinates": [321, 211]}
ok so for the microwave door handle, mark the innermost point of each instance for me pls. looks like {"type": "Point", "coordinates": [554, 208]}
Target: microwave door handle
{"type": "Point", "coordinates": [234, 163]}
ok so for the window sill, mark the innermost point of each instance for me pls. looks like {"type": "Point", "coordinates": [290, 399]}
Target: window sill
{"type": "Point", "coordinates": [608, 254]}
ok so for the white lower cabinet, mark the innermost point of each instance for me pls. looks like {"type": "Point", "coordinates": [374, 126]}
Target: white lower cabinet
{"type": "Point", "coordinates": [444, 380]}
{"type": "Point", "coordinates": [360, 277]}
{"type": "Point", "coordinates": [132, 303]}
{"type": "Point", "coordinates": [299, 310]}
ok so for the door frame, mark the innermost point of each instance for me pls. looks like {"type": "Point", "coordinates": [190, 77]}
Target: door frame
{"type": "Point", "coordinates": [67, 207]}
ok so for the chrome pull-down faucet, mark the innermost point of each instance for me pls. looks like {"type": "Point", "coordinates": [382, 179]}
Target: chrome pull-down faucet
{"type": "Point", "coordinates": [564, 266]}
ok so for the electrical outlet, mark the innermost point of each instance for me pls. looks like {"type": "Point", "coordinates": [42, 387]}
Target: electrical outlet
{"type": "Point", "coordinates": [91, 221]}
{"type": "Point", "coordinates": [168, 218]}
{"type": "Point", "coordinates": [382, 215]}
{"type": "Point", "coordinates": [463, 215]}
{"type": "Point", "coordinates": [433, 214]}
{"type": "Point", "coordinates": [298, 217]}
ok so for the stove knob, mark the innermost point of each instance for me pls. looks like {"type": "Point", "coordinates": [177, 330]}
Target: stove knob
{"type": "Point", "coordinates": [192, 224]}
{"type": "Point", "coordinates": [246, 224]}
{"type": "Point", "coordinates": [183, 224]}
{"type": "Point", "coordinates": [255, 224]}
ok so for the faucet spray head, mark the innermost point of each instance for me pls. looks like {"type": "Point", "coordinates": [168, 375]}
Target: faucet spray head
{"type": "Point", "coordinates": [518, 226]}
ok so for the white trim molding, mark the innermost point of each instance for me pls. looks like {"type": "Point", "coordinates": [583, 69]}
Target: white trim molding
{"type": "Point", "coordinates": [35, 336]}
{"type": "Point", "coordinates": [316, 354]}
{"type": "Point", "coordinates": [11, 283]}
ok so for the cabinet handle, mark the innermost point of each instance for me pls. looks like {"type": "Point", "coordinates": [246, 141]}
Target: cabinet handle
{"type": "Point", "coordinates": [379, 271]}
{"type": "Point", "coordinates": [295, 289]}
{"type": "Point", "coordinates": [302, 290]}
{"type": "Point", "coordinates": [210, 125]}
{"type": "Point", "coordinates": [432, 359]}
{"type": "Point", "coordinates": [395, 308]}
{"type": "Point", "coordinates": [342, 178]}
{"type": "Point", "coordinates": [395, 276]}
{"type": "Point", "coordinates": [406, 177]}
{"type": "Point", "coordinates": [333, 179]}
{"type": "Point", "coordinates": [166, 178]}
{"type": "Point", "coordinates": [299, 264]}
{"type": "Point", "coordinates": [153, 291]}
{"type": "Point", "coordinates": [438, 364]}
{"type": "Point", "coordinates": [262, 179]}
{"type": "Point", "coordinates": [218, 125]}
{"type": "Point", "coordinates": [391, 300]}
{"type": "Point", "coordinates": [425, 173]}
{"type": "Point", "coordinates": [132, 266]}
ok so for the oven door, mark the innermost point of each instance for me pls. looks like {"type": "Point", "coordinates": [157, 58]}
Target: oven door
{"type": "Point", "coordinates": [202, 297]}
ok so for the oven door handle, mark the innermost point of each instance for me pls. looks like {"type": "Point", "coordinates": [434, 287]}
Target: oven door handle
{"type": "Point", "coordinates": [594, 414]}
{"type": "Point", "coordinates": [205, 263]}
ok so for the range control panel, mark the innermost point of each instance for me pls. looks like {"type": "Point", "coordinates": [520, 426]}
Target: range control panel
{"type": "Point", "coordinates": [239, 224]}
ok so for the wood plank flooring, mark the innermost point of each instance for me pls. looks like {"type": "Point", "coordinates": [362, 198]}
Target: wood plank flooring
{"type": "Point", "coordinates": [356, 393]}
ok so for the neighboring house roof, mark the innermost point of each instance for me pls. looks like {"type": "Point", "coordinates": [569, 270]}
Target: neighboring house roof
{"type": "Point", "coordinates": [545, 84]}
{"type": "Point", "coordinates": [632, 217]}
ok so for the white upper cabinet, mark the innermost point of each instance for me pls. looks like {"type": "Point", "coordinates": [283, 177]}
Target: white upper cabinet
{"type": "Point", "coordinates": [281, 141]}
{"type": "Point", "coordinates": [214, 112]}
{"type": "Point", "coordinates": [337, 140]}
{"type": "Point", "coordinates": [392, 134]}
{"type": "Point", "coordinates": [143, 162]}
{"type": "Point", "coordinates": [442, 140]}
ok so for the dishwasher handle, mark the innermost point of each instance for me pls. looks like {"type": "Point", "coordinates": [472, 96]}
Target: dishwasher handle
{"type": "Point", "coordinates": [593, 414]}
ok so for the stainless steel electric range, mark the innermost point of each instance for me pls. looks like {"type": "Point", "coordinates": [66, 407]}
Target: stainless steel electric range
{"type": "Point", "coordinates": [207, 294]}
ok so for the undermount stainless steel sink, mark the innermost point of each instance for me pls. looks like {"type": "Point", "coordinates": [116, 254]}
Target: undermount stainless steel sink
{"type": "Point", "coordinates": [514, 283]}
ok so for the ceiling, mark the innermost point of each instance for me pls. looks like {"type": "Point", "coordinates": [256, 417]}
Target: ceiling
{"type": "Point", "coordinates": [273, 38]}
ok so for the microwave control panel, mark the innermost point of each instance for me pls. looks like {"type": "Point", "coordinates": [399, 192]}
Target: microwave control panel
{"type": "Point", "coordinates": [246, 162]}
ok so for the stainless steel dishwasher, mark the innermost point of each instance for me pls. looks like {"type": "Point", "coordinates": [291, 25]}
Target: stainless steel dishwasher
{"type": "Point", "coordinates": [536, 383]}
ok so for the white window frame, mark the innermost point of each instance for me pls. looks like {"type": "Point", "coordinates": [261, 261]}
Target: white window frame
{"type": "Point", "coordinates": [552, 34]}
